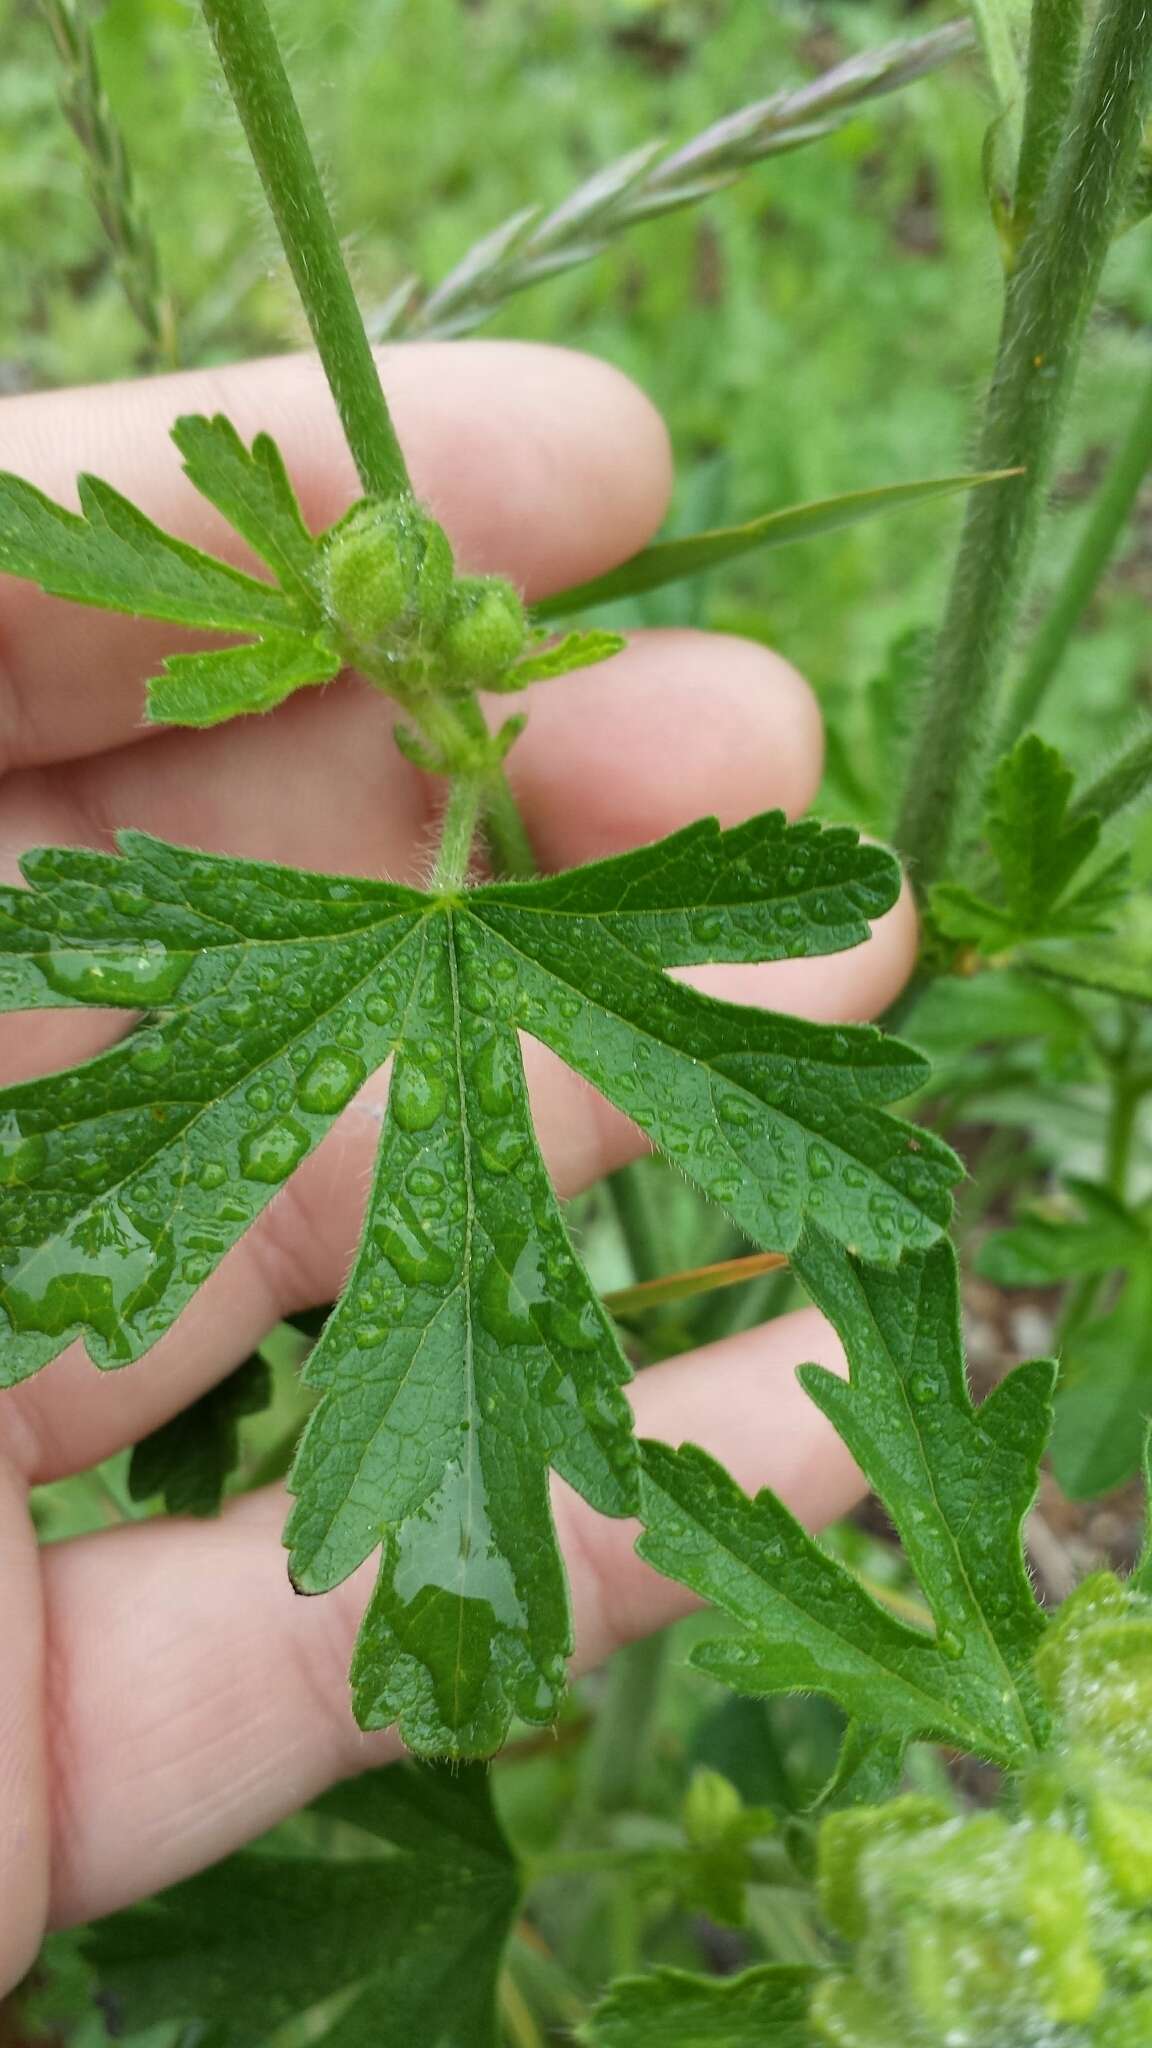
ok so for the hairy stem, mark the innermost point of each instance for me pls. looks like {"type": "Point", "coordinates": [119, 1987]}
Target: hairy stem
{"type": "Point", "coordinates": [458, 832]}
{"type": "Point", "coordinates": [619, 1748]}
{"type": "Point", "coordinates": [1101, 535]}
{"type": "Point", "coordinates": [251, 61]}
{"type": "Point", "coordinates": [1049, 296]}
{"type": "Point", "coordinates": [1053, 61]}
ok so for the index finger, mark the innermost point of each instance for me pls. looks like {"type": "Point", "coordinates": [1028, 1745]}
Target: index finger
{"type": "Point", "coordinates": [546, 465]}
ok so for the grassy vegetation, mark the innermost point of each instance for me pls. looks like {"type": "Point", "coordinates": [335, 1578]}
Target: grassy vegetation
{"type": "Point", "coordinates": [825, 324]}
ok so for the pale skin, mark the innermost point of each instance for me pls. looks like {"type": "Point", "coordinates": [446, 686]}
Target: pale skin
{"type": "Point", "coordinates": [164, 1696]}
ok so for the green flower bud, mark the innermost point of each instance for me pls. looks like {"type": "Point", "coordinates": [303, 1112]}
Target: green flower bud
{"type": "Point", "coordinates": [712, 1808]}
{"type": "Point", "coordinates": [1128, 2025]}
{"type": "Point", "coordinates": [1095, 1669]}
{"type": "Point", "coordinates": [1121, 1834]}
{"type": "Point", "coordinates": [486, 630]}
{"type": "Point", "coordinates": [846, 2014]}
{"type": "Point", "coordinates": [847, 1840]}
{"type": "Point", "coordinates": [386, 576]}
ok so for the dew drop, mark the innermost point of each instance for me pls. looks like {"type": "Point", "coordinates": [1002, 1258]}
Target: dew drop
{"type": "Point", "coordinates": [569, 1008]}
{"type": "Point", "coordinates": [142, 975]}
{"type": "Point", "coordinates": [369, 1335]}
{"type": "Point", "coordinates": [577, 1327]}
{"type": "Point", "coordinates": [950, 1644]}
{"type": "Point", "coordinates": [922, 1389]}
{"type": "Point", "coordinates": [149, 1053]}
{"type": "Point", "coordinates": [416, 1098]}
{"type": "Point", "coordinates": [501, 1150]}
{"type": "Point", "coordinates": [271, 1153]}
{"type": "Point", "coordinates": [129, 899]}
{"type": "Point", "coordinates": [212, 1175]}
{"type": "Point", "coordinates": [259, 1098]}
{"type": "Point", "coordinates": [330, 1081]}
{"type": "Point", "coordinates": [424, 1180]}
{"type": "Point", "coordinates": [706, 929]}
{"type": "Point", "coordinates": [103, 1273]}
{"type": "Point", "coordinates": [492, 1077]}
{"type": "Point", "coordinates": [511, 1287]}
{"type": "Point", "coordinates": [820, 1164]}
{"type": "Point", "coordinates": [21, 1156]}
{"type": "Point", "coordinates": [408, 1247]}
{"type": "Point", "coordinates": [733, 1111]}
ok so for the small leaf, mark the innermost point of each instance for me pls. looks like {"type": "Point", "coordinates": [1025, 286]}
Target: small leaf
{"type": "Point", "coordinates": [575, 650]}
{"type": "Point", "coordinates": [1039, 845]}
{"type": "Point", "coordinates": [229, 682]}
{"type": "Point", "coordinates": [763, 2008]}
{"type": "Point", "coordinates": [468, 1355]}
{"type": "Point", "coordinates": [957, 1482]}
{"type": "Point", "coordinates": [399, 1938]}
{"type": "Point", "coordinates": [1119, 965]}
{"type": "Point", "coordinates": [672, 560]}
{"type": "Point", "coordinates": [111, 556]}
{"type": "Point", "coordinates": [251, 487]}
{"type": "Point", "coordinates": [189, 1460]}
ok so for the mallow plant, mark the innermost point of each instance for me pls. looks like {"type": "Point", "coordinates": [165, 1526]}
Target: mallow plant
{"type": "Point", "coordinates": [472, 1354]}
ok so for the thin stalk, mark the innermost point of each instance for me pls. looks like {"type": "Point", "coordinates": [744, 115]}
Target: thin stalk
{"type": "Point", "coordinates": [1053, 61]}
{"type": "Point", "coordinates": [617, 1755]}
{"type": "Point", "coordinates": [505, 833]}
{"type": "Point", "coordinates": [109, 172]}
{"type": "Point", "coordinates": [1048, 299]}
{"type": "Point", "coordinates": [1098, 542]}
{"type": "Point", "coordinates": [250, 57]}
{"type": "Point", "coordinates": [646, 1294]}
{"type": "Point", "coordinates": [458, 833]}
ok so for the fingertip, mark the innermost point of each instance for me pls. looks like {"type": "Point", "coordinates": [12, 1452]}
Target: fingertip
{"type": "Point", "coordinates": [678, 726]}
{"type": "Point", "coordinates": [543, 463]}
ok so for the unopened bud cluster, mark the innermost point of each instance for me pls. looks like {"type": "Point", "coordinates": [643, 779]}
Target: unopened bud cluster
{"type": "Point", "coordinates": [1025, 1929]}
{"type": "Point", "coordinates": [403, 615]}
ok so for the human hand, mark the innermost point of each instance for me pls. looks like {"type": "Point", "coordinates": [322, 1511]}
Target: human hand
{"type": "Point", "coordinates": [163, 1695]}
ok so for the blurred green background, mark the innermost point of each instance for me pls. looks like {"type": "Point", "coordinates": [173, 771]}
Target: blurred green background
{"type": "Point", "coordinates": [823, 326]}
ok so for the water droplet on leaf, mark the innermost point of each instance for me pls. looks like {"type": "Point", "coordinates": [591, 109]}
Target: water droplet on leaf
{"type": "Point", "coordinates": [270, 1154]}
{"type": "Point", "coordinates": [330, 1081]}
{"type": "Point", "coordinates": [145, 976]}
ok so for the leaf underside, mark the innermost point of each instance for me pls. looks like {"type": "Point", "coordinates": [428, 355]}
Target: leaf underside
{"type": "Point", "coordinates": [957, 1482]}
{"type": "Point", "coordinates": [468, 1355]}
{"type": "Point", "coordinates": [405, 1932]}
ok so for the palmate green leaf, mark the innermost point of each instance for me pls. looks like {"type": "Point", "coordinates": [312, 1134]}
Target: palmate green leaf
{"type": "Point", "coordinates": [670, 561]}
{"type": "Point", "coordinates": [111, 556]}
{"type": "Point", "coordinates": [400, 1938]}
{"type": "Point", "coordinates": [188, 1461]}
{"type": "Point", "coordinates": [957, 1482]}
{"type": "Point", "coordinates": [762, 2008]}
{"type": "Point", "coordinates": [1039, 845]}
{"type": "Point", "coordinates": [468, 1354]}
